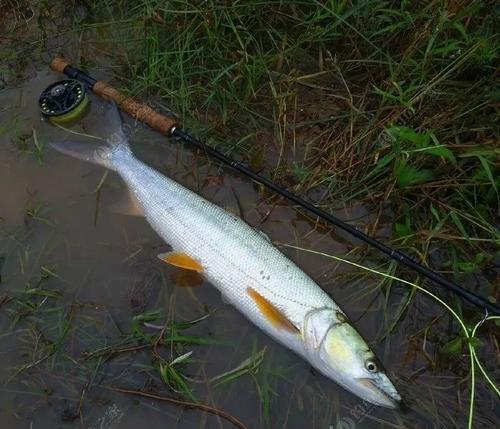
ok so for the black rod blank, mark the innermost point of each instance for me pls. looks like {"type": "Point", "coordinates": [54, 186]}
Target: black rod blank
{"type": "Point", "coordinates": [392, 253]}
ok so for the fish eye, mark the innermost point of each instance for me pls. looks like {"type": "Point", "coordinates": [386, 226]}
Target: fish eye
{"type": "Point", "coordinates": [371, 365]}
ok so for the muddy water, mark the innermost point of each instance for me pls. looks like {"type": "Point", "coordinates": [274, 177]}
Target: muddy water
{"type": "Point", "coordinates": [95, 270]}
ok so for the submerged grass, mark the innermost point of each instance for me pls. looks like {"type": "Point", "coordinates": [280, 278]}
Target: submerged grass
{"type": "Point", "coordinates": [467, 332]}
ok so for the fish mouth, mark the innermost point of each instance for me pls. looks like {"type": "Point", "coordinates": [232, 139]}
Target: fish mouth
{"type": "Point", "coordinates": [382, 397]}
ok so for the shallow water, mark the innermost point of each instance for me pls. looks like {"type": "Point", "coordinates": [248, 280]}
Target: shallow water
{"type": "Point", "coordinates": [104, 269]}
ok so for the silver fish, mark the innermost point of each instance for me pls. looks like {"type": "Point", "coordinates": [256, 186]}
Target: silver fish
{"type": "Point", "coordinates": [249, 271]}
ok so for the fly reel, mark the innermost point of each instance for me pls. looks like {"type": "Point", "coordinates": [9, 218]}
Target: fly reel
{"type": "Point", "coordinates": [63, 101]}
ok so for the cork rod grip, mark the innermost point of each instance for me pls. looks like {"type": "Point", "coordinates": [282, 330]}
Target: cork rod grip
{"type": "Point", "coordinates": [58, 64]}
{"type": "Point", "coordinates": [138, 111]}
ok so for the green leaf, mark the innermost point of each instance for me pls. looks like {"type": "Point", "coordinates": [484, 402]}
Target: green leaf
{"type": "Point", "coordinates": [408, 134]}
{"type": "Point", "coordinates": [386, 159]}
{"type": "Point", "coordinates": [427, 143]}
{"type": "Point", "coordinates": [487, 152]}
{"type": "Point", "coordinates": [249, 365]}
{"type": "Point", "coordinates": [475, 342]}
{"type": "Point", "coordinates": [466, 267]}
{"type": "Point", "coordinates": [175, 380]}
{"type": "Point", "coordinates": [453, 347]}
{"type": "Point", "coordinates": [407, 175]}
{"type": "Point", "coordinates": [442, 151]}
{"type": "Point", "coordinates": [461, 29]}
{"type": "Point", "coordinates": [300, 171]}
{"type": "Point", "coordinates": [139, 320]}
{"type": "Point", "coordinates": [381, 163]}
{"type": "Point", "coordinates": [191, 339]}
{"type": "Point", "coordinates": [487, 169]}
{"type": "Point", "coordinates": [456, 220]}
{"type": "Point", "coordinates": [435, 213]}
{"type": "Point", "coordinates": [39, 291]}
{"type": "Point", "coordinates": [402, 230]}
{"type": "Point", "coordinates": [480, 258]}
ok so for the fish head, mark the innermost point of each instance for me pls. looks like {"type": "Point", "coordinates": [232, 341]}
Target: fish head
{"type": "Point", "coordinates": [337, 350]}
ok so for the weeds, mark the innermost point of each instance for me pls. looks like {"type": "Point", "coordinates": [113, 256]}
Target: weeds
{"type": "Point", "coordinates": [38, 212]}
{"type": "Point", "coordinates": [466, 338]}
{"type": "Point", "coordinates": [417, 120]}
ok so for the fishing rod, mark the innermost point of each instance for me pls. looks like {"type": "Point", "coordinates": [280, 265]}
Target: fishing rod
{"type": "Point", "coordinates": [170, 127]}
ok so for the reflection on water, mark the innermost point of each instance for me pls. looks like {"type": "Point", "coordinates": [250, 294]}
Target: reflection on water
{"type": "Point", "coordinates": [74, 275]}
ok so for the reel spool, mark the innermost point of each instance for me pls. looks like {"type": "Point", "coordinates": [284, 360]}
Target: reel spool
{"type": "Point", "coordinates": [63, 101]}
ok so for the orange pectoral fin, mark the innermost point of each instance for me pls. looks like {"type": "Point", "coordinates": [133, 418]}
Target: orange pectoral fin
{"type": "Point", "coordinates": [272, 313]}
{"type": "Point", "coordinates": [181, 260]}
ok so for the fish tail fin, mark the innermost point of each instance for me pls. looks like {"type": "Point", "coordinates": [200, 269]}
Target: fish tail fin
{"type": "Point", "coordinates": [115, 146]}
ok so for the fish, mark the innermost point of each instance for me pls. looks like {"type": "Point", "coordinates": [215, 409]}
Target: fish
{"type": "Point", "coordinates": [244, 265]}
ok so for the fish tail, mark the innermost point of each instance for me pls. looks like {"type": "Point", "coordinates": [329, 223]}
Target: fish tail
{"type": "Point", "coordinates": [106, 153]}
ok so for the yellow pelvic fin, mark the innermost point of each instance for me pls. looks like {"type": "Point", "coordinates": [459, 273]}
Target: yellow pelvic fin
{"type": "Point", "coordinates": [272, 313]}
{"type": "Point", "coordinates": [181, 260]}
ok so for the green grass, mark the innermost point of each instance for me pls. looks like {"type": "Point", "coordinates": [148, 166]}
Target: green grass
{"type": "Point", "coordinates": [388, 103]}
{"type": "Point", "coordinates": [465, 338]}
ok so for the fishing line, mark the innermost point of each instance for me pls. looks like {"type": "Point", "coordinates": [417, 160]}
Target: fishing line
{"type": "Point", "coordinates": [169, 127]}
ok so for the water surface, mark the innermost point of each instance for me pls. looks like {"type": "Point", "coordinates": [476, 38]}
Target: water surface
{"type": "Point", "coordinates": [75, 274]}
